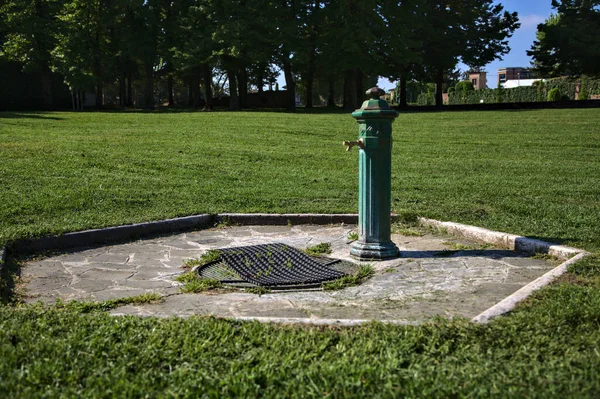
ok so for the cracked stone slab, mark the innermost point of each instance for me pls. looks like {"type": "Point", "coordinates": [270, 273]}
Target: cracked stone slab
{"type": "Point", "coordinates": [428, 279]}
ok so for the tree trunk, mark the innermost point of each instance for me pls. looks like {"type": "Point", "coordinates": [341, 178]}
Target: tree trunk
{"type": "Point", "coordinates": [196, 87]}
{"type": "Point", "coordinates": [170, 90]}
{"type": "Point", "coordinates": [291, 86]}
{"type": "Point", "coordinates": [403, 102]}
{"type": "Point", "coordinates": [190, 92]}
{"type": "Point", "coordinates": [149, 87]}
{"type": "Point", "coordinates": [47, 96]}
{"type": "Point", "coordinates": [439, 83]}
{"type": "Point", "coordinates": [243, 87]}
{"type": "Point", "coordinates": [331, 97]}
{"type": "Point", "coordinates": [99, 95]}
{"type": "Point", "coordinates": [208, 93]}
{"type": "Point", "coordinates": [73, 99]}
{"type": "Point", "coordinates": [350, 90]}
{"type": "Point", "coordinates": [122, 91]}
{"type": "Point", "coordinates": [360, 89]}
{"type": "Point", "coordinates": [234, 100]}
{"type": "Point", "coordinates": [260, 81]}
{"type": "Point", "coordinates": [129, 100]}
{"type": "Point", "coordinates": [309, 90]}
{"type": "Point", "coordinates": [310, 78]}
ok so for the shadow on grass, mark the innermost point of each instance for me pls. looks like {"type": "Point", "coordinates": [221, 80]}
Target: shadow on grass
{"type": "Point", "coordinates": [176, 110]}
{"type": "Point", "coordinates": [553, 240]}
{"type": "Point", "coordinates": [25, 115]}
{"type": "Point", "coordinates": [9, 277]}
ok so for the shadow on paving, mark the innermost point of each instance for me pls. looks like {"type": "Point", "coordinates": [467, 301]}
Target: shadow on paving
{"type": "Point", "coordinates": [467, 253]}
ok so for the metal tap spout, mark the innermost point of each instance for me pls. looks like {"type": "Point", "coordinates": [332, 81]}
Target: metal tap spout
{"type": "Point", "coordinates": [349, 144]}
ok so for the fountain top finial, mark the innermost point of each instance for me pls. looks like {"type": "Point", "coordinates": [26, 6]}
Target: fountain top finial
{"type": "Point", "coordinates": [375, 107]}
{"type": "Point", "coordinates": [375, 92]}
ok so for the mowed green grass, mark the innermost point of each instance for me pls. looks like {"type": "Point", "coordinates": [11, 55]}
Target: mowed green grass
{"type": "Point", "coordinates": [533, 173]}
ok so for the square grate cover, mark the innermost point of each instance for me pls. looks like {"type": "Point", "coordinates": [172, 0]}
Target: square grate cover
{"type": "Point", "coordinates": [270, 265]}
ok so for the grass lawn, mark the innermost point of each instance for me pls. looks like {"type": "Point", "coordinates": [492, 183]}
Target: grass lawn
{"type": "Point", "coordinates": [535, 173]}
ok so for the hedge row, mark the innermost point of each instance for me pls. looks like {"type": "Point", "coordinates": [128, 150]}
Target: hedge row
{"type": "Point", "coordinates": [561, 88]}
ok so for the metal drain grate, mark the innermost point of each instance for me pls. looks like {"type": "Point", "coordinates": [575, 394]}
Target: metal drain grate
{"type": "Point", "coordinates": [269, 265]}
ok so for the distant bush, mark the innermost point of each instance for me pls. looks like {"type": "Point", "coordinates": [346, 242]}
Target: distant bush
{"type": "Point", "coordinates": [554, 94]}
{"type": "Point", "coordinates": [464, 85]}
{"type": "Point", "coordinates": [426, 99]}
{"type": "Point", "coordinates": [500, 94]}
{"type": "Point", "coordinates": [583, 92]}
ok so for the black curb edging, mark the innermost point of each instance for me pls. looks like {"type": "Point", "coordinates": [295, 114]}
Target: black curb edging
{"type": "Point", "coordinates": [88, 238]}
{"type": "Point", "coordinates": [285, 219]}
{"type": "Point", "coordinates": [112, 234]}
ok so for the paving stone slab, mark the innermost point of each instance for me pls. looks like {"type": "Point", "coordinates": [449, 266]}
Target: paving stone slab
{"type": "Point", "coordinates": [427, 279]}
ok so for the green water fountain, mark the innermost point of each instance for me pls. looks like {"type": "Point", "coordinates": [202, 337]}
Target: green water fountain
{"type": "Point", "coordinates": [375, 119]}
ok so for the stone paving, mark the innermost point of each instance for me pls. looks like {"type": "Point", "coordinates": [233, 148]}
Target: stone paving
{"type": "Point", "coordinates": [430, 278]}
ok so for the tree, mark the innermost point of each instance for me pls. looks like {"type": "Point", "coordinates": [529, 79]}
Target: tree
{"type": "Point", "coordinates": [472, 31]}
{"type": "Point", "coordinates": [568, 42]}
{"type": "Point", "coordinates": [398, 48]}
{"type": "Point", "coordinates": [29, 39]}
{"type": "Point", "coordinates": [84, 51]}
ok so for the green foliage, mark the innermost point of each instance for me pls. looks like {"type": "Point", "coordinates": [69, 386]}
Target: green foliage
{"type": "Point", "coordinates": [461, 93]}
{"type": "Point", "coordinates": [406, 231]}
{"type": "Point", "coordinates": [193, 283]}
{"type": "Point", "coordinates": [464, 86]}
{"type": "Point", "coordinates": [209, 256]}
{"type": "Point", "coordinates": [583, 91]}
{"type": "Point", "coordinates": [500, 93]}
{"type": "Point", "coordinates": [554, 94]}
{"type": "Point", "coordinates": [568, 43]}
{"type": "Point", "coordinates": [538, 92]}
{"type": "Point", "coordinates": [364, 273]}
{"type": "Point", "coordinates": [352, 236]}
{"type": "Point", "coordinates": [589, 266]}
{"type": "Point", "coordinates": [258, 290]}
{"type": "Point", "coordinates": [426, 98]}
{"type": "Point", "coordinates": [322, 248]}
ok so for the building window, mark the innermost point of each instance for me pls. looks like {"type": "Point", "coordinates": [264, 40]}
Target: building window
{"type": "Point", "coordinates": [474, 81]}
{"type": "Point", "coordinates": [502, 77]}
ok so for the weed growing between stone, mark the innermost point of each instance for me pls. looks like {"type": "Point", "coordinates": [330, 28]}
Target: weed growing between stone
{"type": "Point", "coordinates": [409, 232]}
{"type": "Point", "coordinates": [455, 246]}
{"type": "Point", "coordinates": [193, 283]}
{"type": "Point", "coordinates": [258, 290]}
{"type": "Point", "coordinates": [364, 273]}
{"type": "Point", "coordinates": [407, 224]}
{"type": "Point", "coordinates": [209, 256]}
{"type": "Point", "coordinates": [319, 249]}
{"type": "Point", "coordinates": [546, 257]}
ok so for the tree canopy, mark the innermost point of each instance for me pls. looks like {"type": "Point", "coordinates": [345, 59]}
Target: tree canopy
{"type": "Point", "coordinates": [568, 42]}
{"type": "Point", "coordinates": [327, 49]}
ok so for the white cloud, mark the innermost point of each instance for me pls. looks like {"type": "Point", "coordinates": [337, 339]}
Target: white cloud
{"type": "Point", "coordinates": [531, 21]}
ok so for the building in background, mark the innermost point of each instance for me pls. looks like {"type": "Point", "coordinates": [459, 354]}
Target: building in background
{"type": "Point", "coordinates": [518, 73]}
{"type": "Point", "coordinates": [479, 80]}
